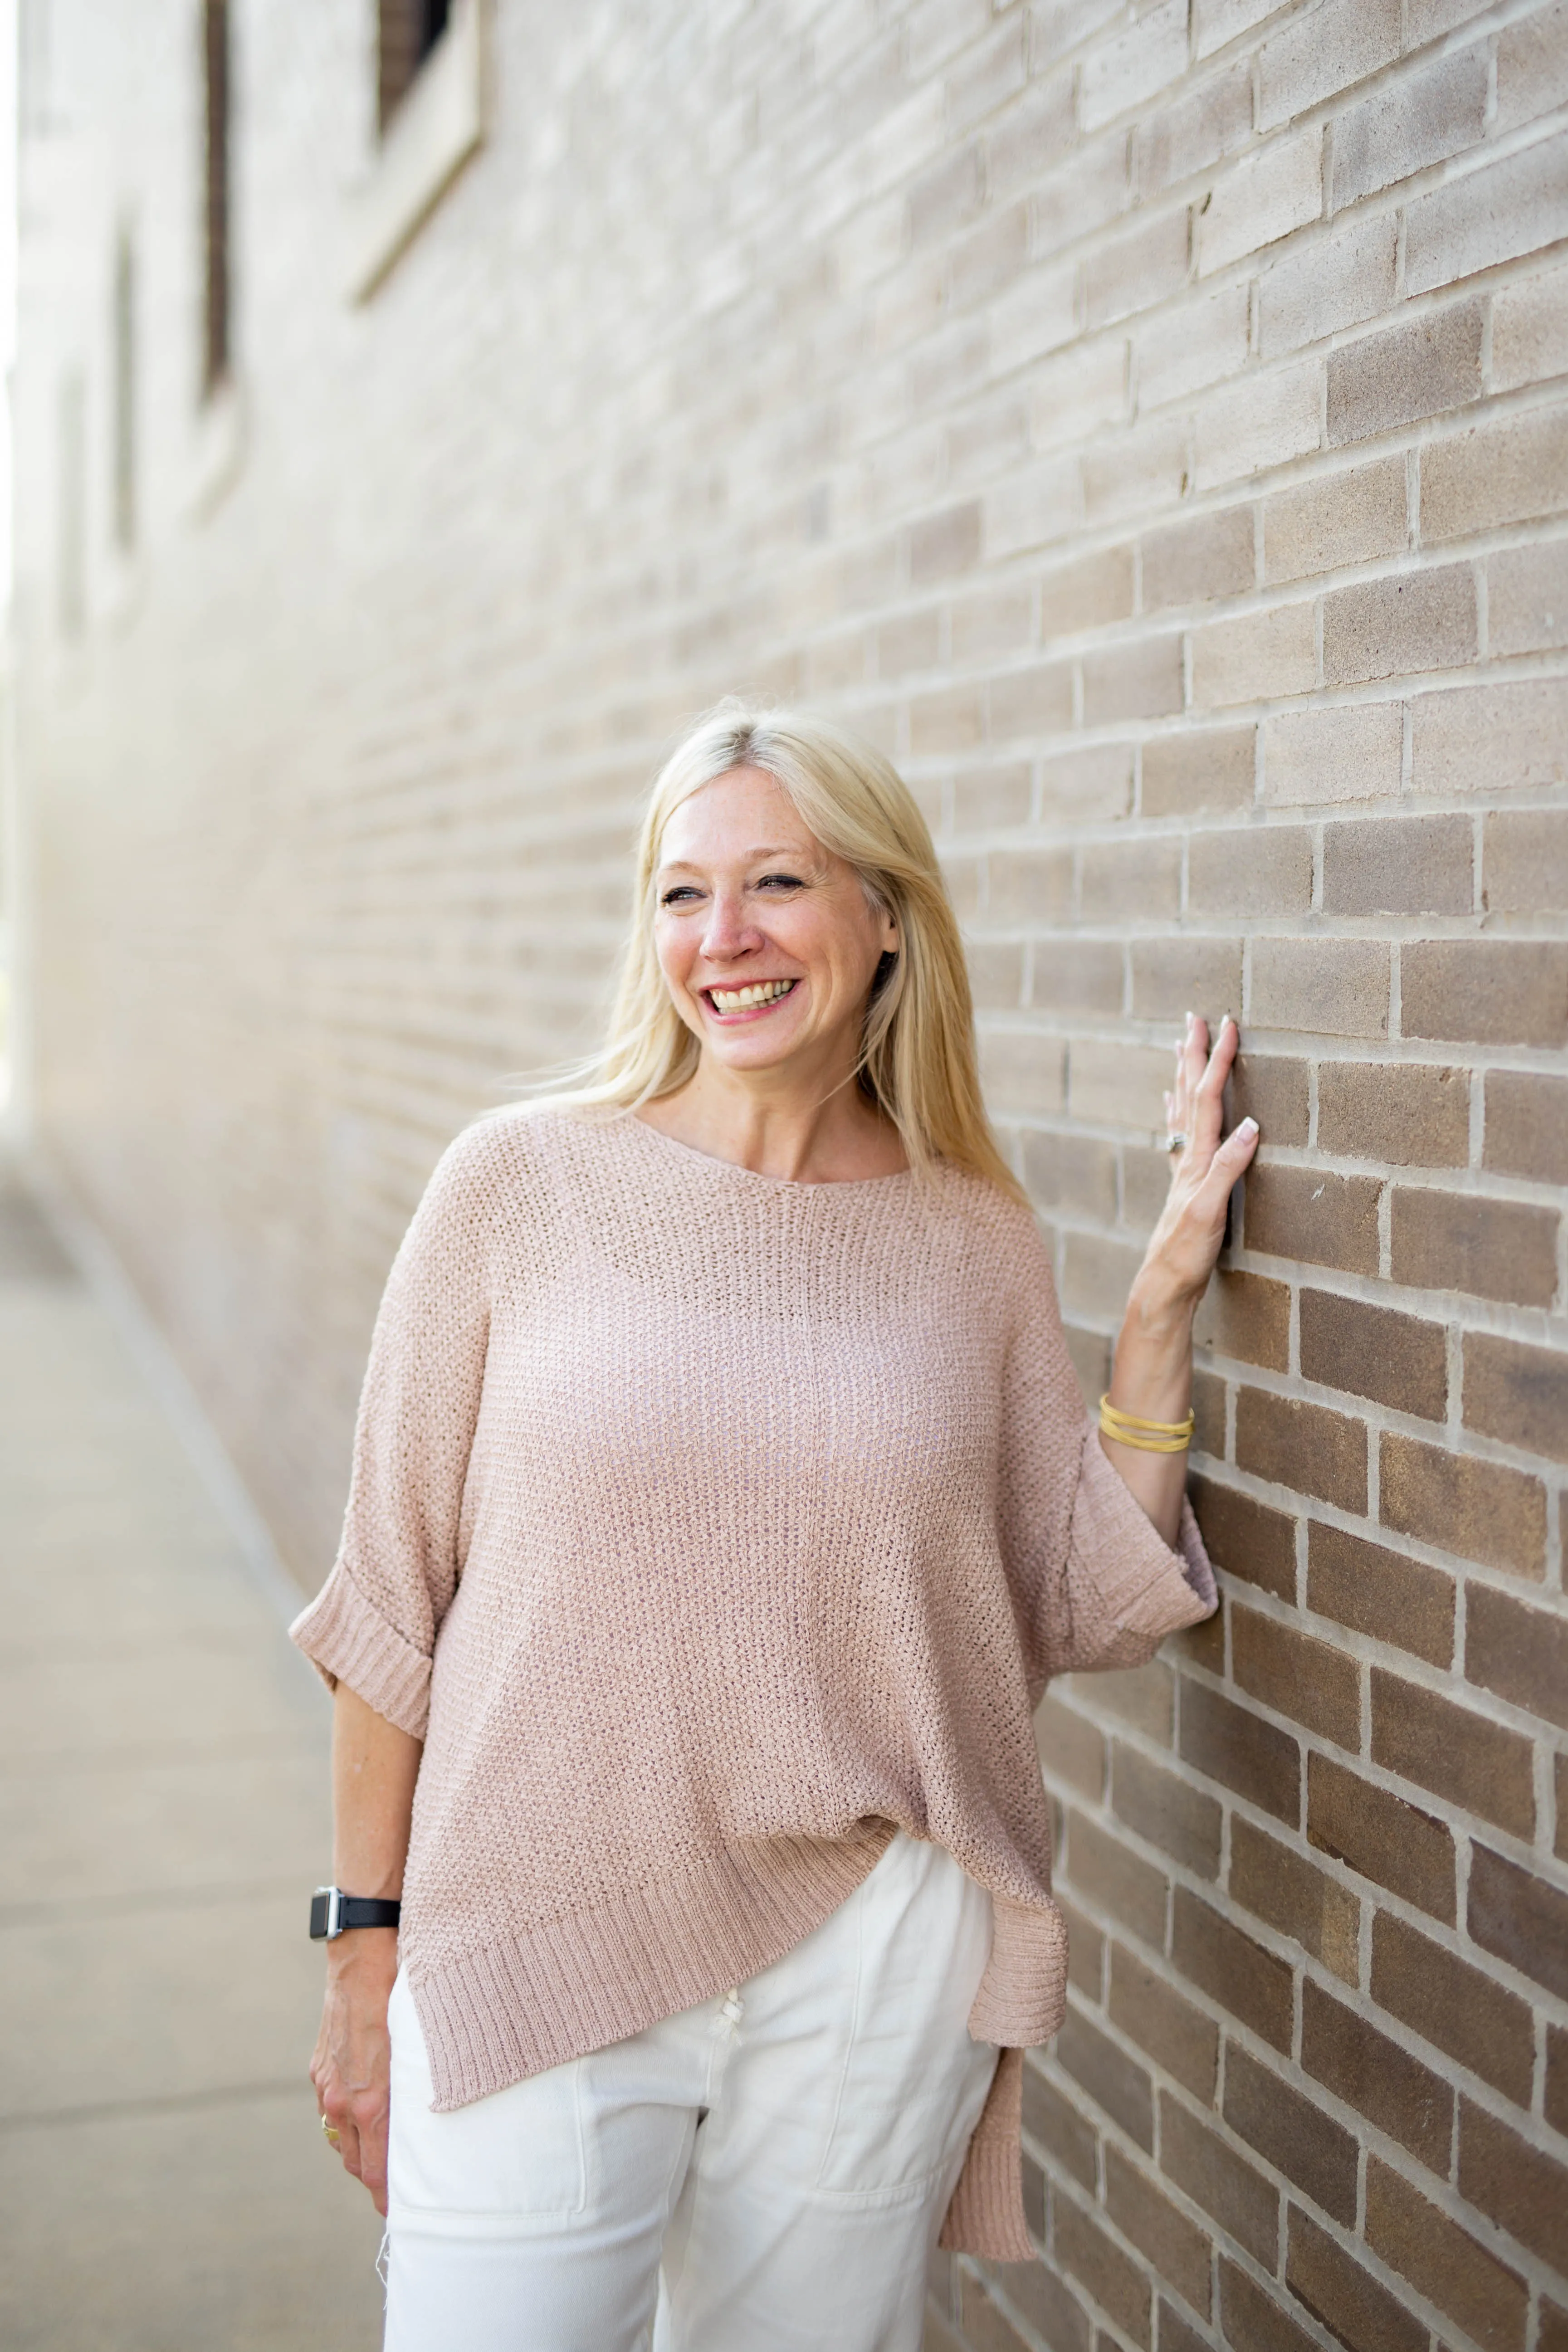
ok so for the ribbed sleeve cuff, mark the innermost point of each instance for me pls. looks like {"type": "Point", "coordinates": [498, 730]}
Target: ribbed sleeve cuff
{"type": "Point", "coordinates": [985, 2214]}
{"type": "Point", "coordinates": [348, 1640]}
{"type": "Point", "coordinates": [1146, 1588]}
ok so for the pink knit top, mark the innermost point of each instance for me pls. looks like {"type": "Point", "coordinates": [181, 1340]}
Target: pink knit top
{"type": "Point", "coordinates": [706, 1527]}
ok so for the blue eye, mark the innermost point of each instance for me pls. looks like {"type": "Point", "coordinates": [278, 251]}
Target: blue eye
{"type": "Point", "coordinates": [782, 881]}
{"type": "Point", "coordinates": [673, 897]}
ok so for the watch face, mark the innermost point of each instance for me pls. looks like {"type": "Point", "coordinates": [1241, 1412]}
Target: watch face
{"type": "Point", "coordinates": [319, 1913]}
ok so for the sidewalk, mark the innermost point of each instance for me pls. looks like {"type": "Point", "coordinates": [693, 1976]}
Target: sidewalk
{"type": "Point", "coordinates": [163, 2184]}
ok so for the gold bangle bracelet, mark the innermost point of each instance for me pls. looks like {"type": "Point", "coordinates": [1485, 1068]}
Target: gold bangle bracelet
{"type": "Point", "coordinates": [1146, 1436]}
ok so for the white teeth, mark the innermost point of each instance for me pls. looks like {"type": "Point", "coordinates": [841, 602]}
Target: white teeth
{"type": "Point", "coordinates": [737, 1000]}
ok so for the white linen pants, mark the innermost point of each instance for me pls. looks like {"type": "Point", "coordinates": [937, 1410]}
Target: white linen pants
{"type": "Point", "coordinates": [767, 2172]}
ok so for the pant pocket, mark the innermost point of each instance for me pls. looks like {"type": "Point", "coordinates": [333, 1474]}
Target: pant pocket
{"type": "Point", "coordinates": [517, 2156]}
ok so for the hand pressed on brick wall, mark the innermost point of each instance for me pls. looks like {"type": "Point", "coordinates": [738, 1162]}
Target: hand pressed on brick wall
{"type": "Point", "coordinates": [1153, 1376]}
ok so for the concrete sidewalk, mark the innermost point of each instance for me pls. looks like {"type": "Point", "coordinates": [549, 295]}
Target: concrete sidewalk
{"type": "Point", "coordinates": [163, 2184]}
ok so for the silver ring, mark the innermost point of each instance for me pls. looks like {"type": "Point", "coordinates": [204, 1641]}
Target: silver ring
{"type": "Point", "coordinates": [1174, 1142]}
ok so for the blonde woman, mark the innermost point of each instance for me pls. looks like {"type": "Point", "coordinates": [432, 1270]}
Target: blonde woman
{"type": "Point", "coordinates": [723, 1502]}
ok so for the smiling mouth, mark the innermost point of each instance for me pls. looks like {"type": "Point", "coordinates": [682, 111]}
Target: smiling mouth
{"type": "Point", "coordinates": [759, 994]}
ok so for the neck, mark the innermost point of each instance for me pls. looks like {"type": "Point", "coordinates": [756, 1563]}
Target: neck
{"type": "Point", "coordinates": [809, 1130]}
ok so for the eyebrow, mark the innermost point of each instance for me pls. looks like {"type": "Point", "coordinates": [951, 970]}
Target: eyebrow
{"type": "Point", "coordinates": [753, 857]}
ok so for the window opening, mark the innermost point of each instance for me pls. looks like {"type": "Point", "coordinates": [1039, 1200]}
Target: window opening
{"type": "Point", "coordinates": [124, 344]}
{"type": "Point", "coordinates": [216, 320]}
{"type": "Point", "coordinates": [406, 32]}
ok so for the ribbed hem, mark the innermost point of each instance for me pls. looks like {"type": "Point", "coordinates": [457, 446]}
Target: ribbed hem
{"type": "Point", "coordinates": [581, 1982]}
{"type": "Point", "coordinates": [1022, 1997]}
{"type": "Point", "coordinates": [348, 1640]}
{"type": "Point", "coordinates": [985, 2214]}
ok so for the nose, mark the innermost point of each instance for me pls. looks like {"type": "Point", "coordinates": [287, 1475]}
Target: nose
{"type": "Point", "coordinates": [727, 934]}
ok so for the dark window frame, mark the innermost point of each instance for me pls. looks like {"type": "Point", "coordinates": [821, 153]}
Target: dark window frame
{"type": "Point", "coordinates": [406, 32]}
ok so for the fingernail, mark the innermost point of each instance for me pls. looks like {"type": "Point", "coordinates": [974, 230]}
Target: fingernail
{"type": "Point", "coordinates": [1247, 1126]}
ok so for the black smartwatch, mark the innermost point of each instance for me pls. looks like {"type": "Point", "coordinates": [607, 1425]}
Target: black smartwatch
{"type": "Point", "coordinates": [333, 1912]}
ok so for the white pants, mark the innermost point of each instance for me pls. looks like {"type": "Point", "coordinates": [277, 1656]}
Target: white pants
{"type": "Point", "coordinates": [767, 2170]}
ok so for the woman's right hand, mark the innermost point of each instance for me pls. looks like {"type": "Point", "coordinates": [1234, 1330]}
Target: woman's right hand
{"type": "Point", "coordinates": [352, 2064]}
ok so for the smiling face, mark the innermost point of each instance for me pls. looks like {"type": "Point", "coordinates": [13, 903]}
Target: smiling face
{"type": "Point", "coordinates": [767, 941]}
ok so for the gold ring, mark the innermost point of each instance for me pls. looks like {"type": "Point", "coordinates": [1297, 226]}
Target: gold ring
{"type": "Point", "coordinates": [330, 2132]}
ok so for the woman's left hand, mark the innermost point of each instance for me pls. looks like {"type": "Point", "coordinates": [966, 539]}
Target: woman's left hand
{"type": "Point", "coordinates": [1186, 1240]}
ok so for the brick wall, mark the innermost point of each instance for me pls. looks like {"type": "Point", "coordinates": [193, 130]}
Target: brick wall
{"type": "Point", "coordinates": [1149, 423]}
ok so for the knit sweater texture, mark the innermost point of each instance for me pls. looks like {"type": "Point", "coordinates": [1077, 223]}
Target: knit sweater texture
{"type": "Point", "coordinates": [707, 1527]}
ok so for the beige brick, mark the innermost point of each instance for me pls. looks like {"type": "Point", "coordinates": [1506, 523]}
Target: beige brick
{"type": "Point", "coordinates": [1202, 343]}
{"type": "Point", "coordinates": [1196, 131]}
{"type": "Point", "coordinates": [981, 80]}
{"type": "Point", "coordinates": [1038, 313]}
{"type": "Point", "coordinates": [1029, 885]}
{"type": "Point", "coordinates": [1118, 1085]}
{"type": "Point", "coordinates": [1530, 329]}
{"type": "Point", "coordinates": [1086, 787]}
{"type": "Point", "coordinates": [1217, 22]}
{"type": "Point", "coordinates": [1532, 67]}
{"type": "Point", "coordinates": [992, 622]}
{"type": "Point", "coordinates": [1076, 975]}
{"type": "Point", "coordinates": [1187, 773]}
{"type": "Point", "coordinates": [1089, 191]}
{"type": "Point", "coordinates": [912, 643]}
{"type": "Point", "coordinates": [1330, 284]}
{"type": "Point", "coordinates": [1418, 120]}
{"type": "Point", "coordinates": [1411, 621]}
{"type": "Point", "coordinates": [1513, 471]}
{"type": "Point", "coordinates": [1489, 216]}
{"type": "Point", "coordinates": [1340, 518]}
{"type": "Point", "coordinates": [1251, 870]}
{"type": "Point", "coordinates": [1126, 70]}
{"type": "Point", "coordinates": [1139, 472]}
{"type": "Point", "coordinates": [1527, 599]}
{"type": "Point", "coordinates": [1037, 509]}
{"type": "Point", "coordinates": [1171, 975]}
{"type": "Point", "coordinates": [1264, 421]}
{"type": "Point", "coordinates": [1406, 372]}
{"type": "Point", "coordinates": [1087, 593]}
{"type": "Point", "coordinates": [1399, 865]}
{"type": "Point", "coordinates": [1337, 987]}
{"type": "Point", "coordinates": [1525, 861]}
{"type": "Point", "coordinates": [1141, 680]}
{"type": "Point", "coordinates": [1034, 701]}
{"type": "Point", "coordinates": [1026, 141]}
{"type": "Point", "coordinates": [1323, 53]}
{"type": "Point", "coordinates": [1136, 271]}
{"type": "Point", "coordinates": [1138, 880]}
{"type": "Point", "coordinates": [951, 721]}
{"type": "Point", "coordinates": [1021, 1074]}
{"type": "Point", "coordinates": [1254, 657]}
{"type": "Point", "coordinates": [1477, 738]}
{"type": "Point", "coordinates": [1258, 201]}
{"type": "Point", "coordinates": [1207, 555]}
{"type": "Point", "coordinates": [1078, 391]}
{"type": "Point", "coordinates": [1348, 754]}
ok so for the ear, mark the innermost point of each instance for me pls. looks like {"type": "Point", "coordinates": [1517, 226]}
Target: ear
{"type": "Point", "coordinates": [889, 935]}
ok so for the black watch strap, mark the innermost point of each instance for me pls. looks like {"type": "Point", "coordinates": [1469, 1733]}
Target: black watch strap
{"type": "Point", "coordinates": [333, 1912]}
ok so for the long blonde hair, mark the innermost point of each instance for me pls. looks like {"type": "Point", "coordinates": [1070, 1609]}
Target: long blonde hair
{"type": "Point", "coordinates": [917, 1054]}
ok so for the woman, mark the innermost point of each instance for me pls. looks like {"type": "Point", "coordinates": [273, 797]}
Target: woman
{"type": "Point", "coordinates": [722, 1501]}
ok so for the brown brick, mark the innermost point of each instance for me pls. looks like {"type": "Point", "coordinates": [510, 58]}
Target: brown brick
{"type": "Point", "coordinates": [1527, 612]}
{"type": "Point", "coordinates": [1167, 1812]}
{"type": "Point", "coordinates": [1527, 1126]}
{"type": "Point", "coordinates": [1350, 517]}
{"type": "Point", "coordinates": [1416, 1114]}
{"type": "Point", "coordinates": [1381, 1592]}
{"type": "Point", "coordinates": [1247, 1318]}
{"type": "Point", "coordinates": [1057, 2127]}
{"type": "Point", "coordinates": [1454, 1752]}
{"type": "Point", "coordinates": [1041, 2296]}
{"type": "Point", "coordinates": [986, 2324]}
{"type": "Point", "coordinates": [1169, 975]}
{"type": "Point", "coordinates": [1187, 773]}
{"type": "Point", "coordinates": [1251, 2320]}
{"type": "Point", "coordinates": [1071, 1171]}
{"type": "Point", "coordinates": [1555, 2106]}
{"type": "Point", "coordinates": [1517, 1393]}
{"type": "Point", "coordinates": [1086, 1949]}
{"type": "Point", "coordinates": [1430, 113]}
{"type": "Point", "coordinates": [1302, 1213]}
{"type": "Point", "coordinates": [1310, 1681]}
{"type": "Point", "coordinates": [1352, 2305]}
{"type": "Point", "coordinates": [1521, 1653]}
{"type": "Point", "coordinates": [1297, 1897]}
{"type": "Point", "coordinates": [1201, 557]}
{"type": "Point", "coordinates": [1399, 865]}
{"type": "Point", "coordinates": [1177, 2036]}
{"type": "Point", "coordinates": [1209, 2171]}
{"type": "Point", "coordinates": [1272, 1089]}
{"type": "Point", "coordinates": [1070, 1749]}
{"type": "Point", "coordinates": [1033, 701]}
{"type": "Point", "coordinates": [1454, 2006]}
{"type": "Point", "coordinates": [1236, 1748]}
{"type": "Point", "coordinates": [1560, 1796]}
{"type": "Point", "coordinates": [1087, 593]}
{"type": "Point", "coordinates": [1479, 1509]}
{"type": "Point", "coordinates": [1524, 854]}
{"type": "Point", "coordinates": [1176, 2334]}
{"type": "Point", "coordinates": [1235, 1972]}
{"type": "Point", "coordinates": [1303, 1446]}
{"type": "Point", "coordinates": [1111, 2278]}
{"type": "Point", "coordinates": [1338, 987]}
{"type": "Point", "coordinates": [1176, 2248]}
{"type": "Point", "coordinates": [1400, 1360]}
{"type": "Point", "coordinates": [1247, 1538]}
{"type": "Point", "coordinates": [1263, 870]}
{"type": "Point", "coordinates": [1140, 878]}
{"type": "Point", "coordinates": [1376, 2077]}
{"type": "Point", "coordinates": [1553, 2332]}
{"type": "Point", "coordinates": [1407, 372]}
{"type": "Point", "coordinates": [1141, 680]}
{"type": "Point", "coordinates": [1521, 2188]}
{"type": "Point", "coordinates": [1444, 2263]}
{"type": "Point", "coordinates": [1292, 2133]}
{"type": "Point", "coordinates": [1143, 1696]}
{"type": "Point", "coordinates": [1387, 628]}
{"type": "Point", "coordinates": [1102, 1870]}
{"type": "Point", "coordinates": [1110, 2078]}
{"type": "Point", "coordinates": [1076, 976]}
{"type": "Point", "coordinates": [1459, 1240]}
{"type": "Point", "coordinates": [1519, 1918]}
{"type": "Point", "coordinates": [1381, 1837]}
